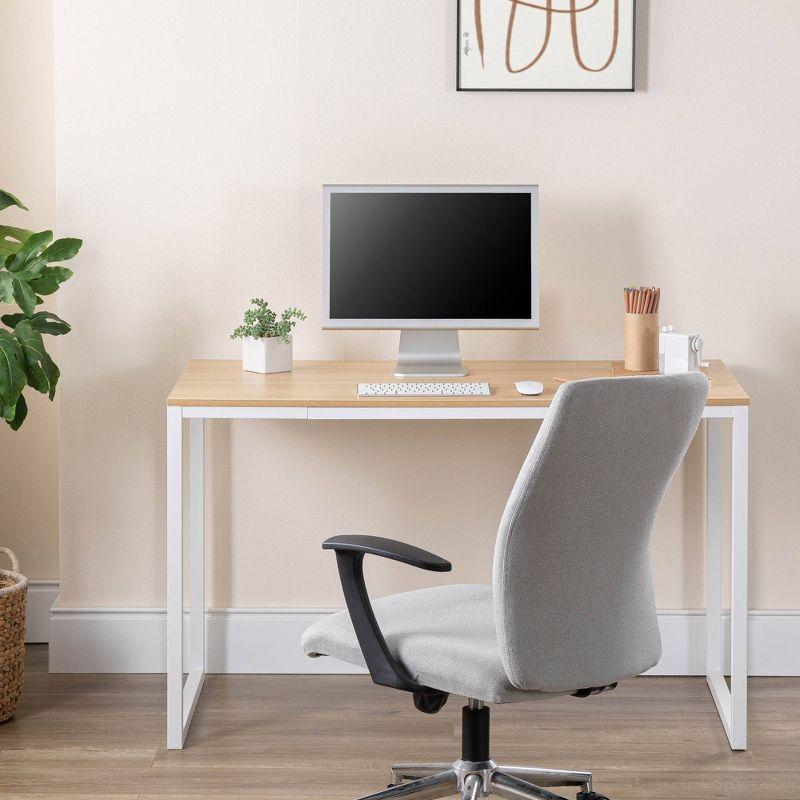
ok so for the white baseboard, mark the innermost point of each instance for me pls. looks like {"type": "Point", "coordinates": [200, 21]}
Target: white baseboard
{"type": "Point", "coordinates": [42, 595]}
{"type": "Point", "coordinates": [773, 643]}
{"type": "Point", "coordinates": [267, 640]}
{"type": "Point", "coordinates": [238, 640]}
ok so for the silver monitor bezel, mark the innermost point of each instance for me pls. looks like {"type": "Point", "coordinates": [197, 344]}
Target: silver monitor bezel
{"type": "Point", "coordinates": [389, 324]}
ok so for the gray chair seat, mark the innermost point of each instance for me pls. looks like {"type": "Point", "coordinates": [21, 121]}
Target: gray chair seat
{"type": "Point", "coordinates": [445, 637]}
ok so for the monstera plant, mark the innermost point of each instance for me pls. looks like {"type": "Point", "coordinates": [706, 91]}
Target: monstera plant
{"type": "Point", "coordinates": [29, 270]}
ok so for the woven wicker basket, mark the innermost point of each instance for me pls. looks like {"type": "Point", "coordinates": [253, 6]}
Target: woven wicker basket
{"type": "Point", "coordinates": [13, 594]}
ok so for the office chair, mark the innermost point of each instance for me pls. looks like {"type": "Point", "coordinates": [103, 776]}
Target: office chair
{"type": "Point", "coordinates": [571, 609]}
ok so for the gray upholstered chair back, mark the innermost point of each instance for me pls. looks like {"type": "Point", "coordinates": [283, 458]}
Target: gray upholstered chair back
{"type": "Point", "coordinates": [573, 593]}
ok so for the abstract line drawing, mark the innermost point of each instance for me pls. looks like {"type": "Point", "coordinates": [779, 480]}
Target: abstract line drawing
{"type": "Point", "coordinates": [588, 37]}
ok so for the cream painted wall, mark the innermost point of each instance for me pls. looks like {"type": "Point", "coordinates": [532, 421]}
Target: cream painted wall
{"type": "Point", "coordinates": [29, 487]}
{"type": "Point", "coordinates": [192, 143]}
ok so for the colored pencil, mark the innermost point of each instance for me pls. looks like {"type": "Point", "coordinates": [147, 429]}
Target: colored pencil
{"type": "Point", "coordinates": [644, 300]}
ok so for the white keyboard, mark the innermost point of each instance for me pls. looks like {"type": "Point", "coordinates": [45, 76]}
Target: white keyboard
{"type": "Point", "coordinates": [458, 389]}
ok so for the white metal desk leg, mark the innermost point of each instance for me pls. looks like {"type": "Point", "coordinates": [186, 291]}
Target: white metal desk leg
{"type": "Point", "coordinates": [739, 490]}
{"type": "Point", "coordinates": [174, 578]}
{"type": "Point", "coordinates": [197, 567]}
{"type": "Point", "coordinates": [731, 703]}
{"type": "Point", "coordinates": [714, 549]}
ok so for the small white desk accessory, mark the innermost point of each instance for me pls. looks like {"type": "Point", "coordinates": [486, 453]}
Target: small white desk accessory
{"type": "Point", "coordinates": [529, 387]}
{"type": "Point", "coordinates": [680, 352]}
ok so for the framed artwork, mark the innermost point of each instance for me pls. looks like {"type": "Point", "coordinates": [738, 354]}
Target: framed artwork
{"type": "Point", "coordinates": [545, 45]}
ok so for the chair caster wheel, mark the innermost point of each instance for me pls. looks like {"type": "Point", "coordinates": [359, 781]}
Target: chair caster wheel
{"type": "Point", "coordinates": [590, 796]}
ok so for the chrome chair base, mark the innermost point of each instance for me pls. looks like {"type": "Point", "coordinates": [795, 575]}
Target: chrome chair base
{"type": "Point", "coordinates": [475, 779]}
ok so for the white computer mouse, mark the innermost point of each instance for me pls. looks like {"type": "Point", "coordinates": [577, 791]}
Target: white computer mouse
{"type": "Point", "coordinates": [529, 387]}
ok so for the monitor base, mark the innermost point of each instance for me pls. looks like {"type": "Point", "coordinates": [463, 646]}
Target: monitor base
{"type": "Point", "coordinates": [429, 354]}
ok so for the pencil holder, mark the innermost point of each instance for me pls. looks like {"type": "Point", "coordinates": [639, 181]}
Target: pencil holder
{"type": "Point", "coordinates": [641, 342]}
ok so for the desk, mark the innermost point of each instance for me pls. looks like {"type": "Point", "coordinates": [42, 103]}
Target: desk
{"type": "Point", "coordinates": [327, 390]}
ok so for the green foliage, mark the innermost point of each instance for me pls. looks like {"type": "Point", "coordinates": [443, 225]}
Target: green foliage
{"type": "Point", "coordinates": [28, 271]}
{"type": "Point", "coordinates": [261, 322]}
{"type": "Point", "coordinates": [7, 199]}
{"type": "Point", "coordinates": [11, 239]}
{"type": "Point", "coordinates": [42, 321]}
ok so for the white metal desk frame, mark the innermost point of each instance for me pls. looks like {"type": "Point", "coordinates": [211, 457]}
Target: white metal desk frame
{"type": "Point", "coordinates": [182, 698]}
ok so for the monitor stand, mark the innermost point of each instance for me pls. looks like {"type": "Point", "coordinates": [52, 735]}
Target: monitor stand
{"type": "Point", "coordinates": [429, 354]}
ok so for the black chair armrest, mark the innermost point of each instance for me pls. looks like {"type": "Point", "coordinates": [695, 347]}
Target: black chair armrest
{"type": "Point", "coordinates": [383, 667]}
{"type": "Point", "coordinates": [388, 548]}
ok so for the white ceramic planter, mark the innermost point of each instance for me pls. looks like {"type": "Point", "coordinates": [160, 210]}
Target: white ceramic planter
{"type": "Point", "coordinates": [266, 355]}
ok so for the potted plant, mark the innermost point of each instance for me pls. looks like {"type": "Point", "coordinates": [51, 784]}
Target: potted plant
{"type": "Point", "coordinates": [266, 337]}
{"type": "Point", "coordinates": [29, 270]}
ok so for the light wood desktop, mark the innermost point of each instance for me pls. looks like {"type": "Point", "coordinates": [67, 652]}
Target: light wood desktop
{"type": "Point", "coordinates": [327, 390]}
{"type": "Point", "coordinates": [315, 384]}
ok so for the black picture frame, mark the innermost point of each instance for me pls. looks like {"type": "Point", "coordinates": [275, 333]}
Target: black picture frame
{"type": "Point", "coordinates": [460, 88]}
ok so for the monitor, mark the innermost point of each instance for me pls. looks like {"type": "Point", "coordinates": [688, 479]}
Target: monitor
{"type": "Point", "coordinates": [429, 260]}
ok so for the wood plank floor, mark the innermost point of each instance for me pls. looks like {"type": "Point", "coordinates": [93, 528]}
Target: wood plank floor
{"type": "Point", "coordinates": [302, 737]}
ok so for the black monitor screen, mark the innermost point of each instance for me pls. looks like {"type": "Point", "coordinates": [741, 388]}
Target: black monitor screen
{"type": "Point", "coordinates": [430, 255]}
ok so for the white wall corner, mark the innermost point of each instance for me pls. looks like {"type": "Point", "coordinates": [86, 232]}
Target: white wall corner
{"type": "Point", "coordinates": [267, 640]}
{"type": "Point", "coordinates": [42, 596]}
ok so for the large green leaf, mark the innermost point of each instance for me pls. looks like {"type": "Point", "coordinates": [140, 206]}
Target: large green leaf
{"type": "Point", "coordinates": [41, 371]}
{"type": "Point", "coordinates": [20, 412]}
{"type": "Point", "coordinates": [27, 257]}
{"type": "Point", "coordinates": [42, 321]}
{"type": "Point", "coordinates": [46, 285]}
{"type": "Point", "coordinates": [23, 286]}
{"type": "Point", "coordinates": [48, 279]}
{"type": "Point", "coordinates": [7, 199]}
{"type": "Point", "coordinates": [24, 296]}
{"type": "Point", "coordinates": [12, 374]}
{"type": "Point", "coordinates": [61, 250]}
{"type": "Point", "coordinates": [6, 287]}
{"type": "Point", "coordinates": [11, 239]}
